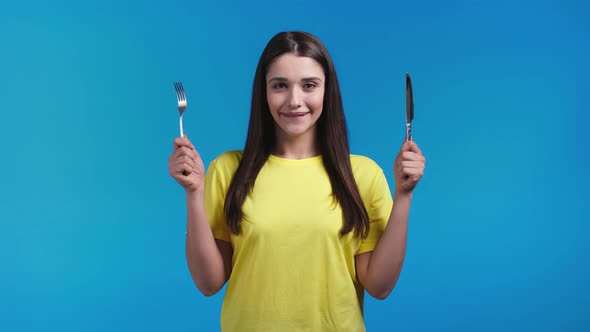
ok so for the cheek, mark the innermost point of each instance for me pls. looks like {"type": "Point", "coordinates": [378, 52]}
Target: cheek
{"type": "Point", "coordinates": [274, 102]}
{"type": "Point", "coordinates": [316, 101]}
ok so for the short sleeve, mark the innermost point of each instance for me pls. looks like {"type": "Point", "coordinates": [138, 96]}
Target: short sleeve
{"type": "Point", "coordinates": [379, 209]}
{"type": "Point", "coordinates": [216, 185]}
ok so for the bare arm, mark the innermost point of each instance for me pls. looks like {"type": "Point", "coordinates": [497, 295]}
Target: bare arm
{"type": "Point", "coordinates": [209, 259]}
{"type": "Point", "coordinates": [379, 270]}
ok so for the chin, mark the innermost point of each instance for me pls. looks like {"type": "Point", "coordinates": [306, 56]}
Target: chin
{"type": "Point", "coordinates": [294, 132]}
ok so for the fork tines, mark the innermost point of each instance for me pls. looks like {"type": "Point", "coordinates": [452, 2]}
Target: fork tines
{"type": "Point", "coordinates": [180, 95]}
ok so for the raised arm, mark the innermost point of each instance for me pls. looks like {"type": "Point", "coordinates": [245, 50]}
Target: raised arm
{"type": "Point", "coordinates": [209, 260]}
{"type": "Point", "coordinates": [379, 270]}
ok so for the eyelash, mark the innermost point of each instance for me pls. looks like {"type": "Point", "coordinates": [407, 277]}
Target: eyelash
{"type": "Point", "coordinates": [307, 86]}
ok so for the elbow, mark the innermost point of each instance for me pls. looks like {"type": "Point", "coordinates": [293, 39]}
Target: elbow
{"type": "Point", "coordinates": [380, 294]}
{"type": "Point", "coordinates": [381, 290]}
{"type": "Point", "coordinates": [208, 286]}
{"type": "Point", "coordinates": [382, 287]}
{"type": "Point", "coordinates": [209, 290]}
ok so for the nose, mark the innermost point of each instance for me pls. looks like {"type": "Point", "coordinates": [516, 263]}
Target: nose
{"type": "Point", "coordinates": [295, 98]}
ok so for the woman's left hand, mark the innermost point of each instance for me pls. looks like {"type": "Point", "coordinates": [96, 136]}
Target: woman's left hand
{"type": "Point", "coordinates": [408, 167]}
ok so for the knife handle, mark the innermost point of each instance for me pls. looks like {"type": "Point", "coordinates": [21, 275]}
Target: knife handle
{"type": "Point", "coordinates": [408, 132]}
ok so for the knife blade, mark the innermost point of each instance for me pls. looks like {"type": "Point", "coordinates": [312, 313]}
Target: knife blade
{"type": "Point", "coordinates": [409, 107]}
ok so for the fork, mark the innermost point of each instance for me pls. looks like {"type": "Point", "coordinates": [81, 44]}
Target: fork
{"type": "Point", "coordinates": [181, 97]}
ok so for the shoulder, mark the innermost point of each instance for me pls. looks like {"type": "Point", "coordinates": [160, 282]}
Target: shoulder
{"type": "Point", "coordinates": [227, 162]}
{"type": "Point", "coordinates": [364, 164]}
{"type": "Point", "coordinates": [366, 172]}
{"type": "Point", "coordinates": [233, 156]}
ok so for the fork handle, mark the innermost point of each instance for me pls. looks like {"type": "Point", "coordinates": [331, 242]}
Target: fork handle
{"type": "Point", "coordinates": [181, 131]}
{"type": "Point", "coordinates": [182, 135]}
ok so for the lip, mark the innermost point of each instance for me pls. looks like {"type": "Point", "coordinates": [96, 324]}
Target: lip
{"type": "Point", "coordinates": [294, 114]}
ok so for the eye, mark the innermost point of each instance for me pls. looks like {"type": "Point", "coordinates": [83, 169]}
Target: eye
{"type": "Point", "coordinates": [279, 85]}
{"type": "Point", "coordinates": [309, 85]}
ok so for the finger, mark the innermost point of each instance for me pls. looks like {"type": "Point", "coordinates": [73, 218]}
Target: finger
{"type": "Point", "coordinates": [181, 141]}
{"type": "Point", "coordinates": [413, 174]}
{"type": "Point", "coordinates": [182, 169]}
{"type": "Point", "coordinates": [193, 149]}
{"type": "Point", "coordinates": [183, 154]}
{"type": "Point", "coordinates": [409, 155]}
{"type": "Point", "coordinates": [196, 155]}
{"type": "Point", "coordinates": [406, 173]}
{"type": "Point", "coordinates": [405, 146]}
{"type": "Point", "coordinates": [185, 159]}
{"type": "Point", "coordinates": [190, 144]}
{"type": "Point", "coordinates": [184, 180]}
{"type": "Point", "coordinates": [178, 171]}
{"type": "Point", "coordinates": [412, 164]}
{"type": "Point", "coordinates": [185, 151]}
{"type": "Point", "coordinates": [177, 143]}
{"type": "Point", "coordinates": [416, 177]}
{"type": "Point", "coordinates": [413, 171]}
{"type": "Point", "coordinates": [197, 172]}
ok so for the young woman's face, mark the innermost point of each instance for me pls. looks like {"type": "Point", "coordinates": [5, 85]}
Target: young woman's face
{"type": "Point", "coordinates": [295, 94]}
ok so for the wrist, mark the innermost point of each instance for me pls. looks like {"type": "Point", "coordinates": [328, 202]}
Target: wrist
{"type": "Point", "coordinates": [403, 194]}
{"type": "Point", "coordinates": [192, 195]}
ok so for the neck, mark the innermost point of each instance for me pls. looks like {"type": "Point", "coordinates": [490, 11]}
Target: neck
{"type": "Point", "coordinates": [300, 147]}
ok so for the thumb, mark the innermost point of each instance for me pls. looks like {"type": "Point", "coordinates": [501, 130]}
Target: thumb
{"type": "Point", "coordinates": [414, 147]}
{"type": "Point", "coordinates": [189, 141]}
{"type": "Point", "coordinates": [406, 146]}
{"type": "Point", "coordinates": [410, 146]}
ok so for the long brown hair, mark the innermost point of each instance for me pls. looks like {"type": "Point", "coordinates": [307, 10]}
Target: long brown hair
{"type": "Point", "coordinates": [332, 136]}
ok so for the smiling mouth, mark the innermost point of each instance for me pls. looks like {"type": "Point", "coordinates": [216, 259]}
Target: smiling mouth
{"type": "Point", "coordinates": [294, 114]}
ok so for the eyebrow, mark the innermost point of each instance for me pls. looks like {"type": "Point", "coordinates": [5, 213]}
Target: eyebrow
{"type": "Point", "coordinates": [283, 79]}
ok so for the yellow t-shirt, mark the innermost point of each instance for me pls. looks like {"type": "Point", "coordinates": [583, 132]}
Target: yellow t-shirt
{"type": "Point", "coordinates": [291, 270]}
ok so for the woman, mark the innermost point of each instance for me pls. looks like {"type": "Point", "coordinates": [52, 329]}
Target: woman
{"type": "Point", "coordinates": [298, 226]}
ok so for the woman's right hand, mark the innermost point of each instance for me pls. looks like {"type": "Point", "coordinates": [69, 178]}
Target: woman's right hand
{"type": "Point", "coordinates": [185, 165]}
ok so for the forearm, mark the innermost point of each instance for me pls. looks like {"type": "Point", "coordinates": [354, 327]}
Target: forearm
{"type": "Point", "coordinates": [203, 256]}
{"type": "Point", "coordinates": [387, 259]}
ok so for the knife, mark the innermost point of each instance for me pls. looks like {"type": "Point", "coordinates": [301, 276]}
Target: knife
{"type": "Point", "coordinates": [409, 108]}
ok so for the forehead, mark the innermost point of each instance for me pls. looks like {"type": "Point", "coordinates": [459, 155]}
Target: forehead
{"type": "Point", "coordinates": [292, 66]}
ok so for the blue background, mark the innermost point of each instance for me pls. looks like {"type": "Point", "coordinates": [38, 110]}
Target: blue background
{"type": "Point", "coordinates": [92, 226]}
